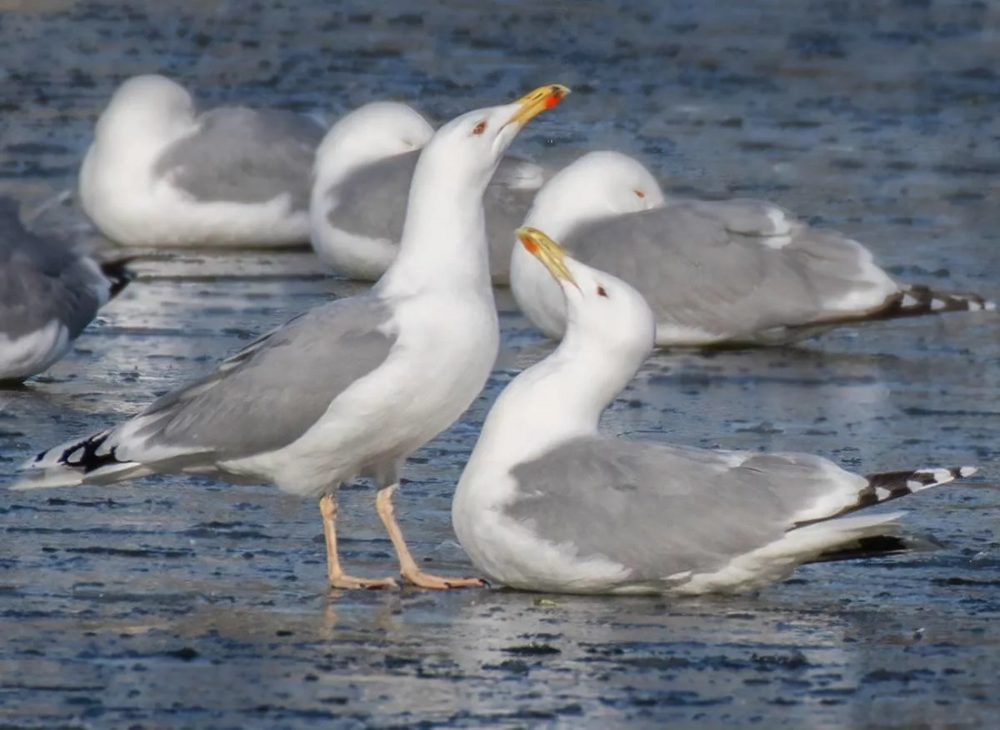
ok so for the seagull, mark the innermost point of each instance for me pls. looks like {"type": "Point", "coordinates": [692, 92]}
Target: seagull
{"type": "Point", "coordinates": [547, 503]}
{"type": "Point", "coordinates": [361, 177]}
{"type": "Point", "coordinates": [160, 174]}
{"type": "Point", "coordinates": [354, 386]}
{"type": "Point", "coordinates": [733, 272]}
{"type": "Point", "coordinates": [49, 293]}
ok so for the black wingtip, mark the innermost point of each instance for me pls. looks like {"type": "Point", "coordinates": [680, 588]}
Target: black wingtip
{"type": "Point", "coordinates": [118, 274]}
{"type": "Point", "coordinates": [890, 485]}
{"type": "Point", "coordinates": [917, 300]}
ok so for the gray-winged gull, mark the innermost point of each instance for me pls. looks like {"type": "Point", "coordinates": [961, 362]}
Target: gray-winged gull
{"type": "Point", "coordinates": [362, 174]}
{"type": "Point", "coordinates": [48, 294]}
{"type": "Point", "coordinates": [351, 387]}
{"type": "Point", "coordinates": [547, 503]}
{"type": "Point", "coordinates": [161, 174]}
{"type": "Point", "coordinates": [714, 272]}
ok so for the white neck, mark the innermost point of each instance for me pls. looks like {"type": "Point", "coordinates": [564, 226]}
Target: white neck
{"type": "Point", "coordinates": [558, 399]}
{"type": "Point", "coordinates": [444, 236]}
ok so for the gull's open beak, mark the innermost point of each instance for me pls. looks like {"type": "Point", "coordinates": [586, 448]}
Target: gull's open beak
{"type": "Point", "coordinates": [535, 102]}
{"type": "Point", "coordinates": [550, 253]}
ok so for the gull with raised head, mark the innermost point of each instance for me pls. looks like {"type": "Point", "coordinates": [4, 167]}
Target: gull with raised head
{"type": "Point", "coordinates": [161, 174]}
{"type": "Point", "coordinates": [731, 272]}
{"type": "Point", "coordinates": [361, 178]}
{"type": "Point", "coordinates": [547, 503]}
{"type": "Point", "coordinates": [49, 293]}
{"type": "Point", "coordinates": [352, 387]}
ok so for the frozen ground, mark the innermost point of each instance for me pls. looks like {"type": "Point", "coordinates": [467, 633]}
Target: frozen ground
{"type": "Point", "coordinates": [181, 603]}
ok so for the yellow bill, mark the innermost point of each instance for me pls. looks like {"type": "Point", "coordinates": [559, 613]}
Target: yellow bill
{"type": "Point", "coordinates": [550, 253]}
{"type": "Point", "coordinates": [535, 102]}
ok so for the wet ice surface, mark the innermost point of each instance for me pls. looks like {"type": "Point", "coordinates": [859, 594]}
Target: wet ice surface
{"type": "Point", "coordinates": [177, 602]}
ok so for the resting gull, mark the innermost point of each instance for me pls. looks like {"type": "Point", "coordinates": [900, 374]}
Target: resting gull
{"type": "Point", "coordinates": [351, 387]}
{"type": "Point", "coordinates": [161, 174]}
{"type": "Point", "coordinates": [735, 272]}
{"type": "Point", "coordinates": [547, 503]}
{"type": "Point", "coordinates": [48, 294]}
{"type": "Point", "coordinates": [362, 174]}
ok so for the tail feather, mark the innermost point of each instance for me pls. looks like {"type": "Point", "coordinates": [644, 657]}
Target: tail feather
{"type": "Point", "coordinates": [854, 537]}
{"type": "Point", "coordinates": [890, 485]}
{"type": "Point", "coordinates": [878, 546]}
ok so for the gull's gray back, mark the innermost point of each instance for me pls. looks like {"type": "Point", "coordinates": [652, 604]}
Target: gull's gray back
{"type": "Point", "coordinates": [833, 265]}
{"type": "Point", "coordinates": [695, 272]}
{"type": "Point", "coordinates": [505, 208]}
{"type": "Point", "coordinates": [245, 156]}
{"type": "Point", "coordinates": [371, 200]}
{"type": "Point", "coordinates": [273, 391]}
{"type": "Point", "coordinates": [658, 509]}
{"type": "Point", "coordinates": [41, 280]}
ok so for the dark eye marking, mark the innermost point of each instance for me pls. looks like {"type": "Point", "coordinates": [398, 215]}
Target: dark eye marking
{"type": "Point", "coordinates": [601, 292]}
{"type": "Point", "coordinates": [479, 128]}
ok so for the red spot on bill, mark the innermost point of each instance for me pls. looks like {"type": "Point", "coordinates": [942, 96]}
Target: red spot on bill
{"type": "Point", "coordinates": [555, 96]}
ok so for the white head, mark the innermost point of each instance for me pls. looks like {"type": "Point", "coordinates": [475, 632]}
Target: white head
{"type": "Point", "coordinates": [370, 133]}
{"type": "Point", "coordinates": [470, 147]}
{"type": "Point", "coordinates": [444, 212]}
{"type": "Point", "coordinates": [149, 107]}
{"type": "Point", "coordinates": [605, 317]}
{"type": "Point", "coordinates": [599, 185]}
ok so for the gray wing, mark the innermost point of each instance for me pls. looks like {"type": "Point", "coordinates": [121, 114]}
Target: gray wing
{"type": "Point", "coordinates": [245, 156]}
{"type": "Point", "coordinates": [371, 201]}
{"type": "Point", "coordinates": [273, 391]}
{"type": "Point", "coordinates": [505, 204]}
{"type": "Point", "coordinates": [42, 280]}
{"type": "Point", "coordinates": [661, 510]}
{"type": "Point", "coordinates": [835, 268]}
{"type": "Point", "coordinates": [696, 273]}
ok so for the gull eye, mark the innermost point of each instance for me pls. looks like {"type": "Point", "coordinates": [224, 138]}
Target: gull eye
{"type": "Point", "coordinates": [639, 194]}
{"type": "Point", "coordinates": [602, 292]}
{"type": "Point", "coordinates": [479, 128]}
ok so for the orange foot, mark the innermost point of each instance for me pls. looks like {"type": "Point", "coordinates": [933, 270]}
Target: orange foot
{"type": "Point", "coordinates": [426, 580]}
{"type": "Point", "coordinates": [350, 583]}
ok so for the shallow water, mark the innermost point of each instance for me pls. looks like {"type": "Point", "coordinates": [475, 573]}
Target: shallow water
{"type": "Point", "coordinates": [177, 602]}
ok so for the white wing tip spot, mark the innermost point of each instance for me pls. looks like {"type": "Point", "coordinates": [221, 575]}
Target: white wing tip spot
{"type": "Point", "coordinates": [940, 476]}
{"type": "Point", "coordinates": [967, 471]}
{"type": "Point", "coordinates": [909, 300]}
{"type": "Point", "coordinates": [782, 226]}
{"type": "Point", "coordinates": [777, 241]}
{"type": "Point", "coordinates": [938, 304]}
{"type": "Point", "coordinates": [990, 306]}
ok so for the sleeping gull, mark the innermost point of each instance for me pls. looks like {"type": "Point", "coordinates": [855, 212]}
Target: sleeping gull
{"type": "Point", "coordinates": [546, 503]}
{"type": "Point", "coordinates": [160, 174]}
{"type": "Point", "coordinates": [726, 272]}
{"type": "Point", "coordinates": [362, 174]}
{"type": "Point", "coordinates": [48, 294]}
{"type": "Point", "coordinates": [351, 387]}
